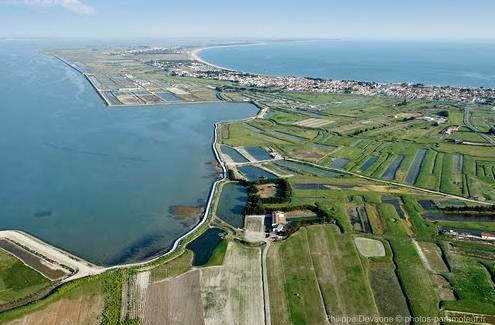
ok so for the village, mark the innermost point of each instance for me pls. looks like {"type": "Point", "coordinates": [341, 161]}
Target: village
{"type": "Point", "coordinates": [197, 68]}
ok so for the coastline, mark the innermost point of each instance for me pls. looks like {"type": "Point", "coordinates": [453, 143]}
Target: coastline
{"type": "Point", "coordinates": [48, 251]}
{"type": "Point", "coordinates": [195, 53]}
{"type": "Point", "coordinates": [83, 268]}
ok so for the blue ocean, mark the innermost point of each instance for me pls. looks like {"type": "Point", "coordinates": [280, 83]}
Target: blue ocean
{"type": "Point", "coordinates": [461, 64]}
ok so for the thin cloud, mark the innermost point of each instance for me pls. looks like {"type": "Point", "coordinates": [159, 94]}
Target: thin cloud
{"type": "Point", "coordinates": [75, 6]}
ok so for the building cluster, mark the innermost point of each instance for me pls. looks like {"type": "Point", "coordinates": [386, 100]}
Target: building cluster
{"type": "Point", "coordinates": [434, 119]}
{"type": "Point", "coordinates": [279, 223]}
{"type": "Point", "coordinates": [403, 90]}
{"type": "Point", "coordinates": [486, 236]}
{"type": "Point", "coordinates": [449, 130]}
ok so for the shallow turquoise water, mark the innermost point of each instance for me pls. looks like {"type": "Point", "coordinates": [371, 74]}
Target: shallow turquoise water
{"type": "Point", "coordinates": [464, 64]}
{"type": "Point", "coordinates": [97, 181]}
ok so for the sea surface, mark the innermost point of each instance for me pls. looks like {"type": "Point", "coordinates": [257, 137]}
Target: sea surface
{"type": "Point", "coordinates": [98, 181]}
{"type": "Point", "coordinates": [462, 64]}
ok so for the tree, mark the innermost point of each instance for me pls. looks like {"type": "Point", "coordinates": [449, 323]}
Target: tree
{"type": "Point", "coordinates": [443, 113]}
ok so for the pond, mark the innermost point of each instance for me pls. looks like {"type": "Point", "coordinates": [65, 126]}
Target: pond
{"type": "Point", "coordinates": [253, 173]}
{"type": "Point", "coordinates": [367, 164]}
{"type": "Point", "coordinates": [392, 169]}
{"type": "Point", "coordinates": [232, 204]}
{"type": "Point", "coordinates": [258, 153]}
{"type": "Point", "coordinates": [309, 186]}
{"type": "Point", "coordinates": [233, 154]}
{"type": "Point", "coordinates": [204, 245]}
{"type": "Point", "coordinates": [339, 163]}
{"type": "Point", "coordinates": [170, 97]}
{"type": "Point", "coordinates": [459, 216]}
{"type": "Point", "coordinates": [300, 167]}
{"type": "Point", "coordinates": [413, 173]}
{"type": "Point", "coordinates": [427, 204]}
{"type": "Point", "coordinates": [396, 203]}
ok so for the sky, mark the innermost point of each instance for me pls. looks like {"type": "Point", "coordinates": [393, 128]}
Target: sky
{"type": "Point", "coordinates": [154, 19]}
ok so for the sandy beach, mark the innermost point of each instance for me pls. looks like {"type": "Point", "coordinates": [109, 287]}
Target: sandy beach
{"type": "Point", "coordinates": [195, 53]}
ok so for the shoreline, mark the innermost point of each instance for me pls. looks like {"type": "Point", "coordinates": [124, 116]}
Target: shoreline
{"type": "Point", "coordinates": [84, 268]}
{"type": "Point", "coordinates": [195, 55]}
{"type": "Point", "coordinates": [47, 251]}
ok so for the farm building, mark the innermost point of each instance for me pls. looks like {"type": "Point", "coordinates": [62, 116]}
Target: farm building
{"type": "Point", "coordinates": [278, 218]}
{"type": "Point", "coordinates": [450, 129]}
{"type": "Point", "coordinates": [487, 236]}
{"type": "Point", "coordinates": [279, 222]}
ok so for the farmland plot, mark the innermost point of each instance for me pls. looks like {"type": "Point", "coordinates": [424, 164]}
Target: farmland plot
{"type": "Point", "coordinates": [81, 309]}
{"type": "Point", "coordinates": [341, 276]}
{"type": "Point", "coordinates": [176, 301]}
{"type": "Point", "coordinates": [388, 294]}
{"type": "Point", "coordinates": [233, 293]}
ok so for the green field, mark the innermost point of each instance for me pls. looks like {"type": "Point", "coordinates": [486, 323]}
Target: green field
{"type": "Point", "coordinates": [318, 271]}
{"type": "Point", "coordinates": [18, 280]}
{"type": "Point", "coordinates": [474, 285]}
{"type": "Point", "coordinates": [413, 276]}
{"type": "Point", "coordinates": [362, 128]}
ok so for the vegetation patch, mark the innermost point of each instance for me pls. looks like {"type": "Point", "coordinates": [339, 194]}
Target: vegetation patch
{"type": "Point", "coordinates": [17, 280]}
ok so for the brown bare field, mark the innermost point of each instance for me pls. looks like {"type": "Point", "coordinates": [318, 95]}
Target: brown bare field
{"type": "Point", "coordinates": [313, 122]}
{"type": "Point", "coordinates": [255, 223]}
{"type": "Point", "coordinates": [300, 213]}
{"type": "Point", "coordinates": [363, 123]}
{"type": "Point", "coordinates": [308, 154]}
{"type": "Point", "coordinates": [81, 310]}
{"type": "Point", "coordinates": [267, 190]}
{"type": "Point", "coordinates": [128, 99]}
{"type": "Point", "coordinates": [255, 228]}
{"type": "Point", "coordinates": [233, 293]}
{"type": "Point", "coordinates": [176, 301]}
